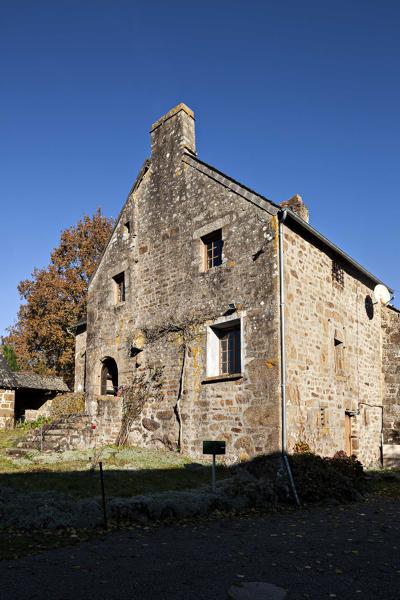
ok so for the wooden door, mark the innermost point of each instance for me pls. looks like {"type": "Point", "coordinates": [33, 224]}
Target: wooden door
{"type": "Point", "coordinates": [347, 434]}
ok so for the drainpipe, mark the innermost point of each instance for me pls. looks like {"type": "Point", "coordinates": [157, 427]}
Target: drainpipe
{"type": "Point", "coordinates": [282, 217]}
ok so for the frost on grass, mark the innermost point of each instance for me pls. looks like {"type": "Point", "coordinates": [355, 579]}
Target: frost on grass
{"type": "Point", "coordinates": [38, 510]}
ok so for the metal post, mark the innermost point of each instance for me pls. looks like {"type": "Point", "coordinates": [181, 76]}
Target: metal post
{"type": "Point", "coordinates": [282, 218]}
{"type": "Point", "coordinates": [213, 474]}
{"type": "Point", "coordinates": [103, 495]}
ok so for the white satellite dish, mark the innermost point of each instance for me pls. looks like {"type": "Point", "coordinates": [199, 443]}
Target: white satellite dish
{"type": "Point", "coordinates": [382, 294]}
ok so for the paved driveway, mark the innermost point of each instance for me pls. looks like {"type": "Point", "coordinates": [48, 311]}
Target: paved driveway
{"type": "Point", "coordinates": [336, 552]}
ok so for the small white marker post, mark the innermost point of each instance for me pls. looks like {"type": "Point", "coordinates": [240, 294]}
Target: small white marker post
{"type": "Point", "coordinates": [214, 448]}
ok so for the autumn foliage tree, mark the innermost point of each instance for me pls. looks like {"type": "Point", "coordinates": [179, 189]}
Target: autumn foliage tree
{"type": "Point", "coordinates": [55, 298]}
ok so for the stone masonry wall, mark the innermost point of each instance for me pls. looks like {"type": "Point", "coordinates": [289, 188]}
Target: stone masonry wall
{"type": "Point", "coordinates": [80, 361]}
{"type": "Point", "coordinates": [318, 310]}
{"type": "Point", "coordinates": [391, 376]}
{"type": "Point", "coordinates": [7, 404]}
{"type": "Point", "coordinates": [171, 299]}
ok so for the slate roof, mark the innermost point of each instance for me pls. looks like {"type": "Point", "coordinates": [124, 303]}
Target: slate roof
{"type": "Point", "coordinates": [14, 380]}
{"type": "Point", "coordinates": [7, 380]}
{"type": "Point", "coordinates": [33, 381]}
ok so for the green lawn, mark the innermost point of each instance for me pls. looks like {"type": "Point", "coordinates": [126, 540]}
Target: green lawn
{"type": "Point", "coordinates": [127, 471]}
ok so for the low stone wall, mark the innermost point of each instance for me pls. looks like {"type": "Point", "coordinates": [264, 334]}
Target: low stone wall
{"type": "Point", "coordinates": [7, 405]}
{"type": "Point", "coordinates": [391, 456]}
{"type": "Point", "coordinates": [108, 419]}
{"type": "Point", "coordinates": [44, 411]}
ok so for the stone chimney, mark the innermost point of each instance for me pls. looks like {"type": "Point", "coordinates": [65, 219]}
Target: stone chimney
{"type": "Point", "coordinates": [296, 205]}
{"type": "Point", "coordinates": [172, 134]}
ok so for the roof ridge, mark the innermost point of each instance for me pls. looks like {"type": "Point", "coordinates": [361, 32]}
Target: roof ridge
{"type": "Point", "coordinates": [234, 181]}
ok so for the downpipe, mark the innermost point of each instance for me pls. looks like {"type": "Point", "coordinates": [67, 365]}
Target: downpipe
{"type": "Point", "coordinates": [282, 217]}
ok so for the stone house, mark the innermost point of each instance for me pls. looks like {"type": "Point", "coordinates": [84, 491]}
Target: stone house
{"type": "Point", "coordinates": [264, 332]}
{"type": "Point", "coordinates": [25, 395]}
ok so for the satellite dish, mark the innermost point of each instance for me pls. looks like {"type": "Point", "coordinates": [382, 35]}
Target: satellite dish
{"type": "Point", "coordinates": [382, 294]}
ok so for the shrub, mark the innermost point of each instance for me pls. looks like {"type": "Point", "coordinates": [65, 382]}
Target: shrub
{"type": "Point", "coordinates": [64, 405]}
{"type": "Point", "coordinates": [348, 466]}
{"type": "Point", "coordinates": [39, 422]}
{"type": "Point", "coordinates": [318, 478]}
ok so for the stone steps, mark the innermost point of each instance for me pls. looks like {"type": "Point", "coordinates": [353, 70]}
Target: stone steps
{"type": "Point", "coordinates": [64, 434]}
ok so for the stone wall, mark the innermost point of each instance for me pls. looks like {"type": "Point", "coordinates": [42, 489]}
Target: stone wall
{"type": "Point", "coordinates": [391, 377]}
{"type": "Point", "coordinates": [323, 393]}
{"type": "Point", "coordinates": [7, 404]}
{"type": "Point", "coordinates": [334, 337]}
{"type": "Point", "coordinates": [80, 360]}
{"type": "Point", "coordinates": [171, 301]}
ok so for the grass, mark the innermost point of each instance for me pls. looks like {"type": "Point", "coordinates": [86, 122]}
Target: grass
{"type": "Point", "coordinates": [385, 484]}
{"type": "Point", "coordinates": [128, 471]}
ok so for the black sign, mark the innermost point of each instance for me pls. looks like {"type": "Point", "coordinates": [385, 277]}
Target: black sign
{"type": "Point", "coordinates": [213, 447]}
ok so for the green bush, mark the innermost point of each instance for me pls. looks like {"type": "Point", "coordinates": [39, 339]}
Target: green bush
{"type": "Point", "coordinates": [39, 422]}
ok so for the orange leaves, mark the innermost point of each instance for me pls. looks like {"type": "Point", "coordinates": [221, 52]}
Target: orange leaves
{"type": "Point", "coordinates": [55, 299]}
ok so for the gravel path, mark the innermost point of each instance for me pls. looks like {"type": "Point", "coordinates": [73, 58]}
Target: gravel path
{"type": "Point", "coordinates": [336, 552]}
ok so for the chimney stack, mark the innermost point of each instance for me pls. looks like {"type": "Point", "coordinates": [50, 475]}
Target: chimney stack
{"type": "Point", "coordinates": [296, 205]}
{"type": "Point", "coordinates": [172, 134]}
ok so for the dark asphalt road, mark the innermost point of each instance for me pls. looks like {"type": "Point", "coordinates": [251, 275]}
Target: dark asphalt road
{"type": "Point", "coordinates": [336, 552]}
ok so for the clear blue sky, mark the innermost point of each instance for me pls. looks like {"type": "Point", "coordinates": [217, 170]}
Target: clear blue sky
{"type": "Point", "coordinates": [290, 97]}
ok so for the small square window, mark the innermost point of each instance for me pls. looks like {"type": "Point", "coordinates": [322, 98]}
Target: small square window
{"type": "Point", "coordinates": [119, 284]}
{"type": "Point", "coordinates": [212, 249]}
{"type": "Point", "coordinates": [337, 274]}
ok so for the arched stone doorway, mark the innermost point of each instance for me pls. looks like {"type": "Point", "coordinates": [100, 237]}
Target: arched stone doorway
{"type": "Point", "coordinates": [109, 377]}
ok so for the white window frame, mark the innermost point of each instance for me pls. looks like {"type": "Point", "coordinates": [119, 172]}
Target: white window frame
{"type": "Point", "coordinates": [213, 367]}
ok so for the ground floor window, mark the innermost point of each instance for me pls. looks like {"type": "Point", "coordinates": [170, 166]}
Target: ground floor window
{"type": "Point", "coordinates": [229, 343]}
{"type": "Point", "coordinates": [224, 348]}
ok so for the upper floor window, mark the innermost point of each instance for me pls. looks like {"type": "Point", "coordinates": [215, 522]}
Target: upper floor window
{"type": "Point", "coordinates": [337, 273]}
{"type": "Point", "coordinates": [212, 249]}
{"type": "Point", "coordinates": [127, 229]}
{"type": "Point", "coordinates": [119, 286]}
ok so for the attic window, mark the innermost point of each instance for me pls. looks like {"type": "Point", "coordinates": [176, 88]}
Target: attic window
{"type": "Point", "coordinates": [337, 274]}
{"type": "Point", "coordinates": [119, 288]}
{"type": "Point", "coordinates": [212, 249]}
{"type": "Point", "coordinates": [127, 229]}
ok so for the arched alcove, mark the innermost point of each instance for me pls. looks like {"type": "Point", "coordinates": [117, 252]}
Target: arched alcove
{"type": "Point", "coordinates": [109, 377]}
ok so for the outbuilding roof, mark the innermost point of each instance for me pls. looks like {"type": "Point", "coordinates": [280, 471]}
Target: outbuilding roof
{"type": "Point", "coordinates": [7, 380]}
{"type": "Point", "coordinates": [14, 380]}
